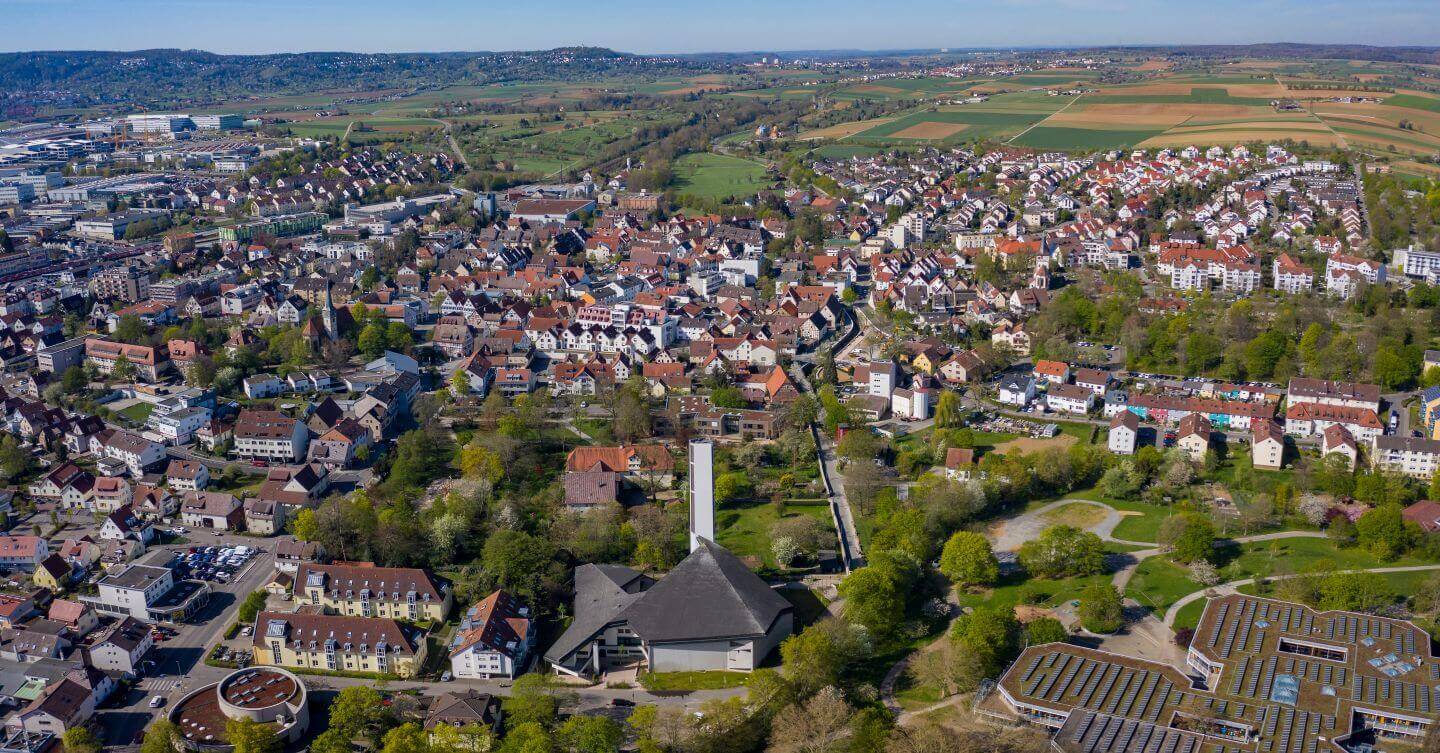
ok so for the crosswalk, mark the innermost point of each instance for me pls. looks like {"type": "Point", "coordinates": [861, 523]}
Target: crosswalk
{"type": "Point", "coordinates": [159, 684]}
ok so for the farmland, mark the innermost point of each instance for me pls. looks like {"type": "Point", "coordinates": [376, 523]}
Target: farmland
{"type": "Point", "coordinates": [717, 176]}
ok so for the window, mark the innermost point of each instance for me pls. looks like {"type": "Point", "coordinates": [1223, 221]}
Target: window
{"type": "Point", "coordinates": [275, 652]}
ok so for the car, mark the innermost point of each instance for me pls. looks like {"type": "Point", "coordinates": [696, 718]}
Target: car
{"type": "Point", "coordinates": [622, 702]}
{"type": "Point", "coordinates": [445, 676]}
{"type": "Point", "coordinates": [157, 701]}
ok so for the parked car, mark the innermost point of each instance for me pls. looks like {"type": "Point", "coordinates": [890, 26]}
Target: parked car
{"type": "Point", "coordinates": [157, 701]}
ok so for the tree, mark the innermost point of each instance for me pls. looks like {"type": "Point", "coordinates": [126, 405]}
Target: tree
{"type": "Point", "coordinates": [1188, 537]}
{"type": "Point", "coordinates": [518, 562]}
{"type": "Point", "coordinates": [481, 463]}
{"type": "Point", "coordinates": [1045, 630]}
{"type": "Point", "coordinates": [1063, 551]}
{"type": "Point", "coordinates": [873, 600]}
{"type": "Point", "coordinates": [80, 740]}
{"type": "Point", "coordinates": [590, 734]}
{"type": "Point", "coordinates": [1355, 592]}
{"type": "Point", "coordinates": [728, 397]}
{"type": "Point", "coordinates": [631, 416]}
{"type": "Point", "coordinates": [968, 561]}
{"type": "Point", "coordinates": [530, 702]}
{"type": "Point", "coordinates": [820, 655]}
{"type": "Point", "coordinates": [990, 638]}
{"type": "Point", "coordinates": [129, 329]}
{"type": "Point", "coordinates": [372, 340]}
{"type": "Point", "coordinates": [251, 607]}
{"type": "Point", "coordinates": [73, 381]}
{"type": "Point", "coordinates": [732, 486]}
{"type": "Point", "coordinates": [1384, 531]}
{"type": "Point", "coordinates": [250, 736]}
{"type": "Point", "coordinates": [303, 525]}
{"type": "Point", "coordinates": [359, 711]}
{"type": "Point", "coordinates": [1204, 573]}
{"type": "Point", "coordinates": [161, 736]}
{"type": "Point", "coordinates": [15, 462]}
{"type": "Point", "coordinates": [819, 725]}
{"type": "Point", "coordinates": [949, 413]}
{"type": "Point", "coordinates": [122, 370]}
{"type": "Point", "coordinates": [1101, 610]}
{"type": "Point", "coordinates": [407, 738]}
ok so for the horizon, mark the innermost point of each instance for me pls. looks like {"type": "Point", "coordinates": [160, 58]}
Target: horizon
{"type": "Point", "coordinates": [648, 27]}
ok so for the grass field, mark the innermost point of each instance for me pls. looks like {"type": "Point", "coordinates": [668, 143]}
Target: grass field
{"type": "Point", "coordinates": [745, 528]}
{"type": "Point", "coordinates": [1050, 137]}
{"type": "Point", "coordinates": [716, 176]}
{"type": "Point", "coordinates": [977, 124]}
{"type": "Point", "coordinates": [1414, 102]}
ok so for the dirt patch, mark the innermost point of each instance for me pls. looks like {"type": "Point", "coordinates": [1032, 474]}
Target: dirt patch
{"type": "Point", "coordinates": [1077, 515]}
{"type": "Point", "coordinates": [1152, 65]}
{"type": "Point", "coordinates": [1131, 116]}
{"type": "Point", "coordinates": [1027, 613]}
{"type": "Point", "coordinates": [696, 89]}
{"type": "Point", "coordinates": [1028, 445]}
{"type": "Point", "coordinates": [929, 131]}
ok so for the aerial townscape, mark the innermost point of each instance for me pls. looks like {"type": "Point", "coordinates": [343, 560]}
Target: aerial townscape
{"type": "Point", "coordinates": [1041, 399]}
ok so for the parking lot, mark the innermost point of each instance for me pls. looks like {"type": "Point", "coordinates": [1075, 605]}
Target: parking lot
{"type": "Point", "coordinates": [213, 564]}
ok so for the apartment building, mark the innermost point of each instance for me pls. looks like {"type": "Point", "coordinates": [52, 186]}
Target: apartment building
{"type": "Point", "coordinates": [270, 435]}
{"type": "Point", "coordinates": [1412, 456]}
{"type": "Point", "coordinates": [337, 643]}
{"type": "Point", "coordinates": [148, 363]}
{"type": "Point", "coordinates": [365, 590]}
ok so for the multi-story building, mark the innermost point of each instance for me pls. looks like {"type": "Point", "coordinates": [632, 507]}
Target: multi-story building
{"type": "Point", "coordinates": [148, 363]}
{"type": "Point", "coordinates": [1290, 276]}
{"type": "Point", "coordinates": [127, 283]}
{"type": "Point", "coordinates": [1412, 456]}
{"type": "Point", "coordinates": [1260, 674]}
{"type": "Point", "coordinates": [494, 639]}
{"type": "Point", "coordinates": [1324, 392]}
{"type": "Point", "coordinates": [1416, 261]}
{"type": "Point", "coordinates": [148, 593]}
{"type": "Point", "coordinates": [400, 593]}
{"type": "Point", "coordinates": [270, 435]}
{"type": "Point", "coordinates": [337, 643]}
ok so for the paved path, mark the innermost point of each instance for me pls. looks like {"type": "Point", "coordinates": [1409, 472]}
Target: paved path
{"type": "Point", "coordinates": [1225, 589]}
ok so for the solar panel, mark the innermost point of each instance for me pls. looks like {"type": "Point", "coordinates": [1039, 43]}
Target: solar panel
{"type": "Point", "coordinates": [1219, 623]}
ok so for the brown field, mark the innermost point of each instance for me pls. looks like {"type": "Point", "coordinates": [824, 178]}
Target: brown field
{"type": "Point", "coordinates": [1422, 168]}
{"type": "Point", "coordinates": [1259, 89]}
{"type": "Point", "coordinates": [844, 130]}
{"type": "Point", "coordinates": [1262, 64]}
{"type": "Point", "coordinates": [1368, 77]}
{"type": "Point", "coordinates": [929, 130]}
{"type": "Point", "coordinates": [1028, 445]}
{"type": "Point", "coordinates": [694, 89]}
{"type": "Point", "coordinates": [1316, 138]}
{"type": "Point", "coordinates": [1091, 116]}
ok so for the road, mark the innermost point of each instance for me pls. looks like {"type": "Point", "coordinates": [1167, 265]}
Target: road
{"type": "Point", "coordinates": [179, 662]}
{"type": "Point", "coordinates": [850, 550]}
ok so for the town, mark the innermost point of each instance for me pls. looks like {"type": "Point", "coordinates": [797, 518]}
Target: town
{"type": "Point", "coordinates": [376, 439]}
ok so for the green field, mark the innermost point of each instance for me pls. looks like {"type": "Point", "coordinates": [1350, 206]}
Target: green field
{"type": "Point", "coordinates": [744, 528]}
{"type": "Point", "coordinates": [1414, 102]}
{"type": "Point", "coordinates": [717, 176]}
{"type": "Point", "coordinates": [1198, 95]}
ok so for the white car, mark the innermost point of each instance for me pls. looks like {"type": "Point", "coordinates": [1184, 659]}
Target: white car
{"type": "Point", "coordinates": [157, 701]}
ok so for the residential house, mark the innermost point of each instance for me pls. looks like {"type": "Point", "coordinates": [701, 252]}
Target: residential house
{"type": "Point", "coordinates": [311, 641]}
{"type": "Point", "coordinates": [1267, 444]}
{"type": "Point", "coordinates": [494, 639]}
{"type": "Point", "coordinates": [1124, 432]}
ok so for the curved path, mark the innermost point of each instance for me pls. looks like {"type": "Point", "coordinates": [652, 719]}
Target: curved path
{"type": "Point", "coordinates": [1225, 589]}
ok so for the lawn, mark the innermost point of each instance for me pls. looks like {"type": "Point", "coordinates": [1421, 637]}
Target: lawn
{"type": "Point", "coordinates": [138, 413]}
{"type": "Point", "coordinates": [1143, 526]}
{"type": "Point", "coordinates": [1076, 515]}
{"type": "Point", "coordinates": [678, 681]}
{"type": "Point", "coordinates": [744, 527]}
{"type": "Point", "coordinates": [717, 176]}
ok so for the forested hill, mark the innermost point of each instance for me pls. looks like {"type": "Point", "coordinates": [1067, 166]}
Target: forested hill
{"type": "Point", "coordinates": [198, 76]}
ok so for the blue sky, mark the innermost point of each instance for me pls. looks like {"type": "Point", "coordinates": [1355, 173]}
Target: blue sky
{"type": "Point", "coordinates": [691, 26]}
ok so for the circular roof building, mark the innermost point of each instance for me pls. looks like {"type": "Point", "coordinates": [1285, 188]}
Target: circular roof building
{"type": "Point", "coordinates": [268, 695]}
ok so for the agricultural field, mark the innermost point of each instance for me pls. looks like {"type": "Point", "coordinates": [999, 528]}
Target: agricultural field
{"type": "Point", "coordinates": [366, 128]}
{"type": "Point", "coordinates": [1000, 117]}
{"type": "Point", "coordinates": [717, 176]}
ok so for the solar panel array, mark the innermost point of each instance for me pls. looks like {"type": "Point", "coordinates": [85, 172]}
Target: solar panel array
{"type": "Point", "coordinates": [1064, 679]}
{"type": "Point", "coordinates": [1088, 732]}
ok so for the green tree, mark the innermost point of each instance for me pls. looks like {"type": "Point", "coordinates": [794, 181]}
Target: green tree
{"type": "Point", "coordinates": [303, 526]}
{"type": "Point", "coordinates": [1045, 630]}
{"type": "Point", "coordinates": [968, 561]}
{"type": "Point", "coordinates": [732, 486]}
{"type": "Point", "coordinates": [1355, 592]}
{"type": "Point", "coordinates": [122, 370]}
{"type": "Point", "coordinates": [1063, 551]}
{"type": "Point", "coordinates": [530, 702]}
{"type": "Point", "coordinates": [1101, 610]}
{"type": "Point", "coordinates": [874, 600]}
{"type": "Point", "coordinates": [590, 734]}
{"type": "Point", "coordinates": [407, 738]}
{"type": "Point", "coordinates": [1188, 537]}
{"type": "Point", "coordinates": [80, 740]}
{"type": "Point", "coordinates": [359, 711]}
{"type": "Point", "coordinates": [819, 655]}
{"type": "Point", "coordinates": [728, 397]}
{"type": "Point", "coordinates": [161, 736]}
{"type": "Point", "coordinates": [250, 736]}
{"type": "Point", "coordinates": [372, 340]}
{"type": "Point", "coordinates": [518, 562]}
{"type": "Point", "coordinates": [73, 381]}
{"type": "Point", "coordinates": [990, 637]}
{"type": "Point", "coordinates": [129, 329]}
{"type": "Point", "coordinates": [15, 461]}
{"type": "Point", "coordinates": [949, 413]}
{"type": "Point", "coordinates": [252, 606]}
{"type": "Point", "coordinates": [1384, 531]}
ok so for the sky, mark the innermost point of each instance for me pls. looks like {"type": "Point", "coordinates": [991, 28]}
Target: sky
{"type": "Point", "coordinates": [681, 26]}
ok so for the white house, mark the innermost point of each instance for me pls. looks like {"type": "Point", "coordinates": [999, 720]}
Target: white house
{"type": "Point", "coordinates": [1017, 391]}
{"type": "Point", "coordinates": [1124, 431]}
{"type": "Point", "coordinates": [494, 639]}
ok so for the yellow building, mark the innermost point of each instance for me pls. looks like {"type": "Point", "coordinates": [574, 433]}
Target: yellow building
{"type": "Point", "coordinates": [335, 643]}
{"type": "Point", "coordinates": [399, 593]}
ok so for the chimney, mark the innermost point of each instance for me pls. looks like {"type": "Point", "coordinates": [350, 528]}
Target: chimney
{"type": "Point", "coordinates": [702, 491]}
